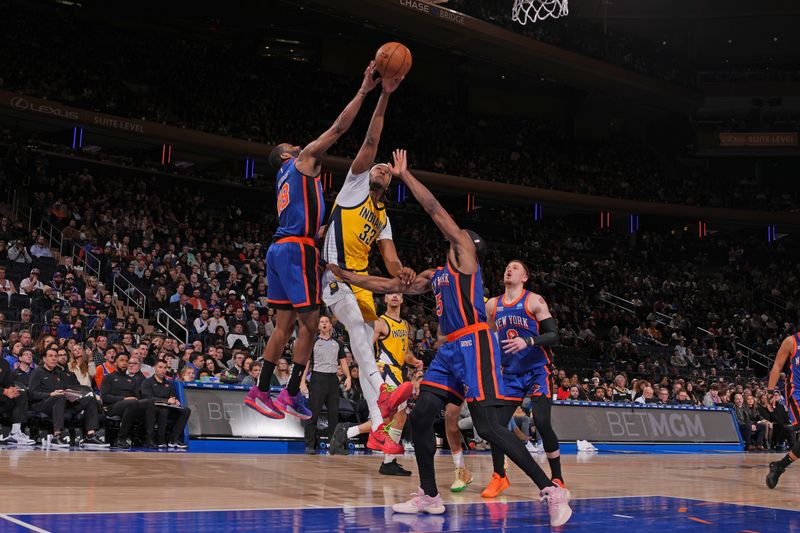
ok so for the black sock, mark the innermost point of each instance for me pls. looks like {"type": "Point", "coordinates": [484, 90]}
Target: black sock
{"type": "Point", "coordinates": [266, 376]}
{"type": "Point", "coordinates": [555, 468]}
{"type": "Point", "coordinates": [293, 387]}
{"type": "Point", "coordinates": [785, 462]}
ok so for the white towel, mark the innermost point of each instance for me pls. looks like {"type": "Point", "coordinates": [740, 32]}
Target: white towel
{"type": "Point", "coordinates": [586, 446]}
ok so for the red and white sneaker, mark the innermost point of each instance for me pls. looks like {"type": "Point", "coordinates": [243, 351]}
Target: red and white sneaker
{"type": "Point", "coordinates": [390, 447]}
{"type": "Point", "coordinates": [557, 500]}
{"type": "Point", "coordinates": [261, 402]}
{"type": "Point", "coordinates": [420, 503]}
{"type": "Point", "coordinates": [390, 397]}
{"type": "Point", "coordinates": [376, 439]}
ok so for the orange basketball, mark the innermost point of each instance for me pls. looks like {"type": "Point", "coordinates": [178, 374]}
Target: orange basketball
{"type": "Point", "coordinates": [393, 60]}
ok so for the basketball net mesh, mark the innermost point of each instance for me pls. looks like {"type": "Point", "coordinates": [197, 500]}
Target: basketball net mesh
{"type": "Point", "coordinates": [525, 11]}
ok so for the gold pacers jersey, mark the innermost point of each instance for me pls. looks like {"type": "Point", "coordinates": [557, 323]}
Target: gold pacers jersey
{"type": "Point", "coordinates": [391, 350]}
{"type": "Point", "coordinates": [356, 222]}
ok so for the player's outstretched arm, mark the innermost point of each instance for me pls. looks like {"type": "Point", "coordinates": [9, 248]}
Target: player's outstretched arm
{"type": "Point", "coordinates": [459, 239]}
{"type": "Point", "coordinates": [379, 285]}
{"type": "Point", "coordinates": [310, 159]}
{"type": "Point", "coordinates": [369, 149]}
{"type": "Point", "coordinates": [786, 349]}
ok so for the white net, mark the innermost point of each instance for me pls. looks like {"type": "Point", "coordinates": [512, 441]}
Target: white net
{"type": "Point", "coordinates": [525, 11]}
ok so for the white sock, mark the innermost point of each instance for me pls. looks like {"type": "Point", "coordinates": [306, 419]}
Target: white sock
{"type": "Point", "coordinates": [388, 458]}
{"type": "Point", "coordinates": [16, 429]}
{"type": "Point", "coordinates": [352, 432]}
{"type": "Point", "coordinates": [458, 459]}
{"type": "Point", "coordinates": [349, 314]}
{"type": "Point", "coordinates": [395, 434]}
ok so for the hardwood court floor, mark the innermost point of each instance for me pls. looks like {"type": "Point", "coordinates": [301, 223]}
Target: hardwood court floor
{"type": "Point", "coordinates": [78, 481]}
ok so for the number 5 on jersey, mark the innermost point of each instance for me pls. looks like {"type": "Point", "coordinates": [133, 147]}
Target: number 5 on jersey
{"type": "Point", "coordinates": [439, 306]}
{"type": "Point", "coordinates": [283, 198]}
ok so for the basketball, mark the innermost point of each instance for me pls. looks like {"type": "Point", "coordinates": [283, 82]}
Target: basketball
{"type": "Point", "coordinates": [393, 60]}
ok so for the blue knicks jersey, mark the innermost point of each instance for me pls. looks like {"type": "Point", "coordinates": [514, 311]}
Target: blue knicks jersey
{"type": "Point", "coordinates": [459, 299]}
{"type": "Point", "coordinates": [301, 207]}
{"type": "Point", "coordinates": [512, 320]}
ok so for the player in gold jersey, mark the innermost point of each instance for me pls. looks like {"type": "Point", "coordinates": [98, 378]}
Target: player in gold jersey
{"type": "Point", "coordinates": [358, 221]}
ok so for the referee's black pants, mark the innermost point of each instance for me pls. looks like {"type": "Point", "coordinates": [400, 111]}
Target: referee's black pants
{"type": "Point", "coordinates": [323, 389]}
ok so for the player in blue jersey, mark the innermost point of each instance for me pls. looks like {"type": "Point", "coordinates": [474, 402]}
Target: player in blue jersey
{"type": "Point", "coordinates": [467, 364]}
{"type": "Point", "coordinates": [293, 261]}
{"type": "Point", "coordinates": [526, 331]}
{"type": "Point", "coordinates": [789, 352]}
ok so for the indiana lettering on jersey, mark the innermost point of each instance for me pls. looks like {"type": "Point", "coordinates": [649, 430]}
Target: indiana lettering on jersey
{"type": "Point", "coordinates": [370, 217]}
{"type": "Point", "coordinates": [399, 334]}
{"type": "Point", "coordinates": [512, 321]}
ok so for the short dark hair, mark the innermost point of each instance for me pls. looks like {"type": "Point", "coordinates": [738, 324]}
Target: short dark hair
{"type": "Point", "coordinates": [524, 266]}
{"type": "Point", "coordinates": [275, 159]}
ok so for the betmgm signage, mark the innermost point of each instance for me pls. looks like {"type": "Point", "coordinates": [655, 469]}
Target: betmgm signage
{"type": "Point", "coordinates": [644, 424]}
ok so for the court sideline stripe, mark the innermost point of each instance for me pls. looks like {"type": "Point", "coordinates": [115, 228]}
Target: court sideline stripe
{"type": "Point", "coordinates": [300, 508]}
{"type": "Point", "coordinates": [23, 524]}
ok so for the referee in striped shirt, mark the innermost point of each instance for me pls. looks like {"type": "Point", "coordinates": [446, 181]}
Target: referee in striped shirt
{"type": "Point", "coordinates": [323, 387]}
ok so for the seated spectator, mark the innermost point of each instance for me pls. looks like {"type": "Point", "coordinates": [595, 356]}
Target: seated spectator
{"type": "Point", "coordinates": [46, 393]}
{"type": "Point", "coordinates": [6, 285]}
{"type": "Point", "coordinates": [780, 422]}
{"type": "Point", "coordinates": [236, 373]}
{"type": "Point", "coordinates": [746, 425]}
{"type": "Point", "coordinates": [31, 284]}
{"type": "Point", "coordinates": [620, 391]}
{"type": "Point", "coordinates": [121, 395]}
{"type": "Point", "coordinates": [24, 369]}
{"type": "Point", "coordinates": [14, 404]}
{"type": "Point", "coordinates": [200, 324]}
{"type": "Point", "coordinates": [187, 374]}
{"type": "Point", "coordinates": [80, 366]}
{"type": "Point", "coordinates": [280, 377]}
{"type": "Point", "coordinates": [600, 395]}
{"type": "Point", "coordinates": [108, 366]}
{"type": "Point", "coordinates": [574, 394]}
{"type": "Point", "coordinates": [168, 408]}
{"type": "Point", "coordinates": [682, 398]}
{"type": "Point", "coordinates": [663, 396]}
{"type": "Point", "coordinates": [763, 423]}
{"type": "Point", "coordinates": [41, 249]}
{"type": "Point", "coordinates": [712, 399]}
{"type": "Point", "coordinates": [252, 376]}
{"type": "Point", "coordinates": [647, 396]}
{"type": "Point", "coordinates": [19, 254]}
{"type": "Point", "coordinates": [237, 338]}
{"type": "Point", "coordinates": [563, 391]}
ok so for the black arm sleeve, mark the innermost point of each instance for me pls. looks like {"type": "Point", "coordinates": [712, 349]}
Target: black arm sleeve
{"type": "Point", "coordinates": [342, 353]}
{"type": "Point", "coordinates": [548, 333]}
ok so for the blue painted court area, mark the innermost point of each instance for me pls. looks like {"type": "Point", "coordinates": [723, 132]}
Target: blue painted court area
{"type": "Point", "coordinates": [606, 514]}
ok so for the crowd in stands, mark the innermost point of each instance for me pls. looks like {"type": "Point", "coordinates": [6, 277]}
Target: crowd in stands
{"type": "Point", "coordinates": [587, 37]}
{"type": "Point", "coordinates": [628, 309]}
{"type": "Point", "coordinates": [193, 87]}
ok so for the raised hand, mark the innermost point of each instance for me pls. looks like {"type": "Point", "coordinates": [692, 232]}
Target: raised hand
{"type": "Point", "coordinates": [400, 163]}
{"type": "Point", "coordinates": [391, 85]}
{"type": "Point", "coordinates": [369, 82]}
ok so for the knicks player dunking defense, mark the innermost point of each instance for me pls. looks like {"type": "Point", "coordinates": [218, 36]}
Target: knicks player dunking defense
{"type": "Point", "coordinates": [466, 366]}
{"type": "Point", "coordinates": [293, 261]}
{"type": "Point", "coordinates": [789, 352]}
{"type": "Point", "coordinates": [526, 330]}
{"type": "Point", "coordinates": [357, 223]}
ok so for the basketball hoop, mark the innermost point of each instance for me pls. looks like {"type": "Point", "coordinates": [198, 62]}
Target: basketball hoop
{"type": "Point", "coordinates": [525, 11]}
